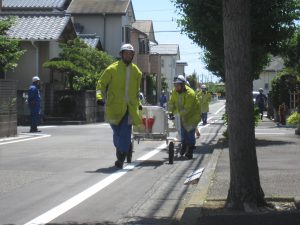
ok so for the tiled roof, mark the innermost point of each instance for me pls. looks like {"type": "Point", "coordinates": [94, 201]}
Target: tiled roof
{"type": "Point", "coordinates": [38, 27]}
{"type": "Point", "coordinates": [165, 49]}
{"type": "Point", "coordinates": [98, 6]}
{"type": "Point", "coordinates": [91, 40]}
{"type": "Point", "coordinates": [143, 25]}
{"type": "Point", "coordinates": [18, 4]}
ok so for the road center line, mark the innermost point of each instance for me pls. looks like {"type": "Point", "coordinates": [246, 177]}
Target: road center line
{"type": "Point", "coordinates": [87, 193]}
{"type": "Point", "coordinates": [220, 110]}
{"type": "Point", "coordinates": [26, 138]}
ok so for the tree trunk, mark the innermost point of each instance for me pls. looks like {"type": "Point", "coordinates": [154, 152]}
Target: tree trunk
{"type": "Point", "coordinates": [245, 191]}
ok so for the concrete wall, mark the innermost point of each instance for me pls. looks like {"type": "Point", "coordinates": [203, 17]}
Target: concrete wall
{"type": "Point", "coordinates": [27, 67]}
{"type": "Point", "coordinates": [80, 105]}
{"type": "Point", "coordinates": [8, 109]}
{"type": "Point", "coordinates": [25, 70]}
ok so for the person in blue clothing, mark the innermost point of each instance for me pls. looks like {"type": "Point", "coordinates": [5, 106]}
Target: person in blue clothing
{"type": "Point", "coordinates": [163, 99]}
{"type": "Point", "coordinates": [34, 103]}
{"type": "Point", "coordinates": [261, 101]}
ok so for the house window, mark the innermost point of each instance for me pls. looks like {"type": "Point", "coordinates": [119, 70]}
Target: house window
{"type": "Point", "coordinates": [126, 34]}
{"type": "Point", "coordinates": [266, 86]}
{"type": "Point", "coordinates": [143, 46]}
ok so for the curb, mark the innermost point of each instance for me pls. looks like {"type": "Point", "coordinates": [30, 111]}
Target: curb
{"type": "Point", "coordinates": [192, 211]}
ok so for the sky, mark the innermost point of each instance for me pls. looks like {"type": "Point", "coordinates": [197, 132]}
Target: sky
{"type": "Point", "coordinates": [164, 16]}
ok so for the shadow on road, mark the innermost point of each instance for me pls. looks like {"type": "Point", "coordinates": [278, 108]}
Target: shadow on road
{"type": "Point", "coordinates": [107, 170]}
{"type": "Point", "coordinates": [131, 221]}
{"type": "Point", "coordinates": [263, 142]}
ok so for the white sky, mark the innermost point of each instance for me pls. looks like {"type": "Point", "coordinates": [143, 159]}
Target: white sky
{"type": "Point", "coordinates": [163, 14]}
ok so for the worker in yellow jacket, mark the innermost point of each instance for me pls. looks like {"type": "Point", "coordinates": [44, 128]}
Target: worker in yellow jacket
{"type": "Point", "coordinates": [183, 101]}
{"type": "Point", "coordinates": [205, 98]}
{"type": "Point", "coordinates": [118, 89]}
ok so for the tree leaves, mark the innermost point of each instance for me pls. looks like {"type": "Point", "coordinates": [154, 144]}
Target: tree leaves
{"type": "Point", "coordinates": [10, 51]}
{"type": "Point", "coordinates": [82, 64]}
{"type": "Point", "coordinates": [273, 23]}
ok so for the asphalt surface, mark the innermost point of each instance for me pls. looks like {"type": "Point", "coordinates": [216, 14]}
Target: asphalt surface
{"type": "Point", "coordinates": [65, 175]}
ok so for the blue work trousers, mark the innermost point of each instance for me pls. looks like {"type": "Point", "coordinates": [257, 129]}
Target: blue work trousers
{"type": "Point", "coordinates": [204, 118]}
{"type": "Point", "coordinates": [188, 137]}
{"type": "Point", "coordinates": [35, 116]}
{"type": "Point", "coordinates": [122, 134]}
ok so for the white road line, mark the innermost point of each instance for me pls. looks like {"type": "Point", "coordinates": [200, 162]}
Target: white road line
{"type": "Point", "coordinates": [220, 109]}
{"type": "Point", "coordinates": [84, 195]}
{"type": "Point", "coordinates": [45, 127]}
{"type": "Point", "coordinates": [26, 139]}
{"type": "Point", "coordinates": [272, 133]}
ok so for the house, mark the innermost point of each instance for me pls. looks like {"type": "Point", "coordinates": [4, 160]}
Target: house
{"type": "Point", "coordinates": [180, 68]}
{"type": "Point", "coordinates": [40, 25]}
{"type": "Point", "coordinates": [111, 20]}
{"type": "Point", "coordinates": [142, 35]}
{"type": "Point", "coordinates": [265, 78]}
{"type": "Point", "coordinates": [169, 54]}
{"type": "Point", "coordinates": [40, 36]}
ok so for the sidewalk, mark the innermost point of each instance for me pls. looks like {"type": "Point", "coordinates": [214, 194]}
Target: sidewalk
{"type": "Point", "coordinates": [278, 154]}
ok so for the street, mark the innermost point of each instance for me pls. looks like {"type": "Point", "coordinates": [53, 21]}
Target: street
{"type": "Point", "coordinates": [66, 175]}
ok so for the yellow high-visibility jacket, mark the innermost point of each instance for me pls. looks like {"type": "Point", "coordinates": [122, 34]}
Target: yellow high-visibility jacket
{"type": "Point", "coordinates": [187, 106]}
{"type": "Point", "coordinates": [204, 100]}
{"type": "Point", "coordinates": [120, 92]}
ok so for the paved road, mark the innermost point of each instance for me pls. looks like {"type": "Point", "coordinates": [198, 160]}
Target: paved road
{"type": "Point", "coordinates": [65, 175]}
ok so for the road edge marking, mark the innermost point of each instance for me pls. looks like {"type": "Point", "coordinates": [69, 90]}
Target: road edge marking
{"type": "Point", "coordinates": [89, 192]}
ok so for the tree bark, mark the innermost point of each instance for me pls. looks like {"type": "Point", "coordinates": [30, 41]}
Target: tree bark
{"type": "Point", "coordinates": [245, 191]}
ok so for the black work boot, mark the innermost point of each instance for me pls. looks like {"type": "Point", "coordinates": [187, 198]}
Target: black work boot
{"type": "Point", "coordinates": [190, 152]}
{"type": "Point", "coordinates": [31, 129]}
{"type": "Point", "coordinates": [121, 158]}
{"type": "Point", "coordinates": [183, 149]}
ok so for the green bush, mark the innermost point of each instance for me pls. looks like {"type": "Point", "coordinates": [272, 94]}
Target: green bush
{"type": "Point", "coordinates": [294, 119]}
{"type": "Point", "coordinates": [285, 82]}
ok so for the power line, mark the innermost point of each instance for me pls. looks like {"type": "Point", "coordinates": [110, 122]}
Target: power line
{"type": "Point", "coordinates": [154, 10]}
{"type": "Point", "coordinates": [165, 31]}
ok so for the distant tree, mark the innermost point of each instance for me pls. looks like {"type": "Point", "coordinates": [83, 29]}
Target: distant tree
{"type": "Point", "coordinates": [291, 53]}
{"type": "Point", "coordinates": [10, 48]}
{"type": "Point", "coordinates": [272, 23]}
{"type": "Point", "coordinates": [81, 63]}
{"type": "Point", "coordinates": [284, 83]}
{"type": "Point", "coordinates": [192, 79]}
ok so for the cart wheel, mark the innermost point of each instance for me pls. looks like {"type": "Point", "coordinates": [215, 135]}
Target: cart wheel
{"type": "Point", "coordinates": [171, 152]}
{"type": "Point", "coordinates": [129, 154]}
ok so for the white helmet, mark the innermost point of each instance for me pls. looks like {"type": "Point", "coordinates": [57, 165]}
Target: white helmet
{"type": "Point", "coordinates": [203, 86]}
{"type": "Point", "coordinates": [127, 47]}
{"type": "Point", "coordinates": [180, 79]}
{"type": "Point", "coordinates": [35, 78]}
